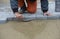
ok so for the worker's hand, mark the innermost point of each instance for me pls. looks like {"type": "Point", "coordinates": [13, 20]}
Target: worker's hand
{"type": "Point", "coordinates": [47, 14]}
{"type": "Point", "coordinates": [18, 15]}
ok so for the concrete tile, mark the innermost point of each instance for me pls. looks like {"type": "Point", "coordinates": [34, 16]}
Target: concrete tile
{"type": "Point", "coordinates": [3, 20]}
{"type": "Point", "coordinates": [57, 4]}
{"type": "Point", "coordinates": [52, 17]}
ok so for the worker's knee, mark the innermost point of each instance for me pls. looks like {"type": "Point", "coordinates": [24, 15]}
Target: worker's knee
{"type": "Point", "coordinates": [20, 3]}
{"type": "Point", "coordinates": [32, 7]}
{"type": "Point", "coordinates": [32, 11]}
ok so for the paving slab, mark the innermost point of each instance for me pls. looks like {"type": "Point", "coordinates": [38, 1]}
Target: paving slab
{"type": "Point", "coordinates": [57, 4]}
{"type": "Point", "coordinates": [3, 18]}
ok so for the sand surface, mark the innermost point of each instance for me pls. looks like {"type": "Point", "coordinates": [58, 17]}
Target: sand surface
{"type": "Point", "coordinates": [40, 29]}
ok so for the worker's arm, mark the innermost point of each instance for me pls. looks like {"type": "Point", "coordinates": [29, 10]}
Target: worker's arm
{"type": "Point", "coordinates": [14, 5]}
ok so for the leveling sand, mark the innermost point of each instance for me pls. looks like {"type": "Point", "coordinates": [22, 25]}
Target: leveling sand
{"type": "Point", "coordinates": [39, 29]}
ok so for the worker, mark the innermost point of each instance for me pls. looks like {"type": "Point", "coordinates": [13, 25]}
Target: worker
{"type": "Point", "coordinates": [29, 6]}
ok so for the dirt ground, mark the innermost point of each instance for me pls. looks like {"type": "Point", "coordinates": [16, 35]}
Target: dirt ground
{"type": "Point", "coordinates": [39, 29]}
